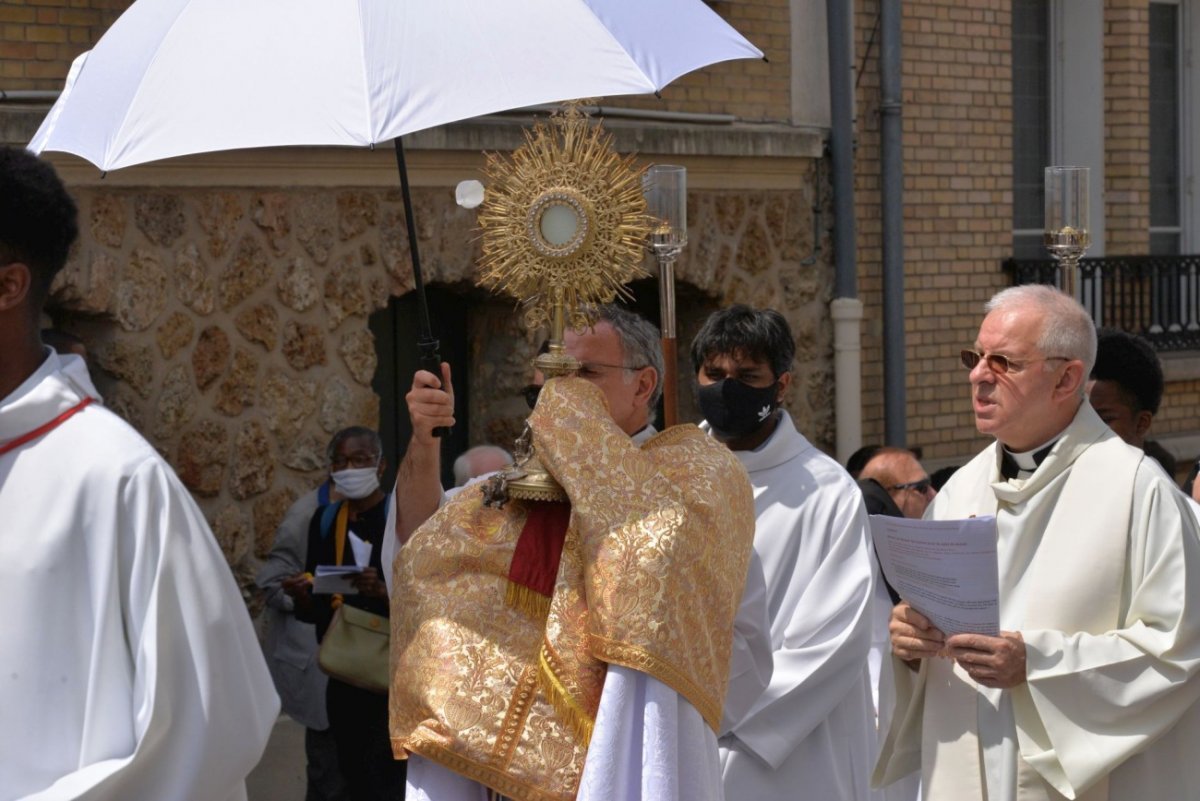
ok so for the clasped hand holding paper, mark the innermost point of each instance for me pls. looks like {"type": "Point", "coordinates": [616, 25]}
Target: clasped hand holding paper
{"type": "Point", "coordinates": [945, 569]}
{"type": "Point", "coordinates": [330, 579]}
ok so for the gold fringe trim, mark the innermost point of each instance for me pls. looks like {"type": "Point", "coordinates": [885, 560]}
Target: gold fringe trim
{"type": "Point", "coordinates": [571, 711]}
{"type": "Point", "coordinates": [526, 600]}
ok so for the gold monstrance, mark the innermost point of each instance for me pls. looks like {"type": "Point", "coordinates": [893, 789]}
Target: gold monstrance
{"type": "Point", "coordinates": [564, 228]}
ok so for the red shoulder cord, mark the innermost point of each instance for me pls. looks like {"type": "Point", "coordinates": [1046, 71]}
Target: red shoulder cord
{"type": "Point", "coordinates": [45, 428]}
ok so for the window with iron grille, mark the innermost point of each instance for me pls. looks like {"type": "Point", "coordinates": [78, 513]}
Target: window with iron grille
{"type": "Point", "coordinates": [1165, 162]}
{"type": "Point", "coordinates": [1031, 123]}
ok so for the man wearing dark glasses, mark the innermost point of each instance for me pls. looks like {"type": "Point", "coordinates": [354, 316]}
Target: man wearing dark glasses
{"type": "Point", "coordinates": [901, 475]}
{"type": "Point", "coordinates": [1089, 690]}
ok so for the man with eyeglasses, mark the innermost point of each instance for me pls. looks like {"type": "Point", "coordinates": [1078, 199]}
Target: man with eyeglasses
{"type": "Point", "coordinates": [901, 475]}
{"type": "Point", "coordinates": [351, 531]}
{"type": "Point", "coordinates": [811, 734]}
{"type": "Point", "coordinates": [1089, 691]}
{"type": "Point", "coordinates": [648, 737]}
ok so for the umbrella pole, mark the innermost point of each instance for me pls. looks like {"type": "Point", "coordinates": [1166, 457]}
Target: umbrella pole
{"type": "Point", "coordinates": [428, 357]}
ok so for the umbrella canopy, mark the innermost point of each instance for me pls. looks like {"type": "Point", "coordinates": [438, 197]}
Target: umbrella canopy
{"type": "Point", "coordinates": [174, 77]}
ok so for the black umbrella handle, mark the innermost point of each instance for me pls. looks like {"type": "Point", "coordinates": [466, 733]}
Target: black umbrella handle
{"type": "Point", "coordinates": [428, 357]}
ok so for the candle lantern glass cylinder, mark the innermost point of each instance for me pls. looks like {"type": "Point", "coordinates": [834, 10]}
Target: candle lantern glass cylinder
{"type": "Point", "coordinates": [1067, 234]}
{"type": "Point", "coordinates": [1067, 207]}
{"type": "Point", "coordinates": [665, 188]}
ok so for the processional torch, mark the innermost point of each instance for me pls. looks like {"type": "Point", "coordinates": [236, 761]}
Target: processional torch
{"type": "Point", "coordinates": [665, 187]}
{"type": "Point", "coordinates": [1067, 236]}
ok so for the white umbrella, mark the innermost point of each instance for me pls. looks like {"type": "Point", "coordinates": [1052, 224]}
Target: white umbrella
{"type": "Point", "coordinates": [173, 77]}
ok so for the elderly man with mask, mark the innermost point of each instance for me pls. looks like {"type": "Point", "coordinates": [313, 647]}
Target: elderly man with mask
{"type": "Point", "coordinates": [1088, 692]}
{"type": "Point", "coordinates": [811, 733]}
{"type": "Point", "coordinates": [357, 717]}
{"type": "Point", "coordinates": [650, 574]}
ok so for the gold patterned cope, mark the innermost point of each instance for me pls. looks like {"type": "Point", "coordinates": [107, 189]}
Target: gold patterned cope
{"type": "Point", "coordinates": [651, 576]}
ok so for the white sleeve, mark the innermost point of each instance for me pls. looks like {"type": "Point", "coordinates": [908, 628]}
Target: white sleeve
{"type": "Point", "coordinates": [649, 743]}
{"type": "Point", "coordinates": [751, 662]}
{"type": "Point", "coordinates": [202, 703]}
{"type": "Point", "coordinates": [1100, 698]}
{"type": "Point", "coordinates": [824, 646]}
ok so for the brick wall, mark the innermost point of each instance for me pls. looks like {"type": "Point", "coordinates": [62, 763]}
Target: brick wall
{"type": "Point", "coordinates": [40, 38]}
{"type": "Point", "coordinates": [957, 128]}
{"type": "Point", "coordinates": [1127, 125]}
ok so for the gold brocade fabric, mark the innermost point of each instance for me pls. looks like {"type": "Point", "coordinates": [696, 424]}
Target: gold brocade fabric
{"type": "Point", "coordinates": [651, 576]}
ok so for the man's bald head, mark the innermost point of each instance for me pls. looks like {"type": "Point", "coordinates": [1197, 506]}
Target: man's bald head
{"type": "Point", "coordinates": [479, 461]}
{"type": "Point", "coordinates": [898, 471]}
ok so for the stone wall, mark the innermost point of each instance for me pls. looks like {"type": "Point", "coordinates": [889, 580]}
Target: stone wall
{"type": "Point", "coordinates": [230, 326]}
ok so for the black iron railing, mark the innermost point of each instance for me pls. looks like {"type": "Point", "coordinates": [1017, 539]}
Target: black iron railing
{"type": "Point", "coordinates": [1157, 297]}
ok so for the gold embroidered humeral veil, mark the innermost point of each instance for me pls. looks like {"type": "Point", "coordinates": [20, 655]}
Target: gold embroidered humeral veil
{"type": "Point", "coordinates": [651, 575]}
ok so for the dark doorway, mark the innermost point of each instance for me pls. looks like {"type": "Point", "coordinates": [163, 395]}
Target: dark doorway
{"type": "Point", "coordinates": [396, 332]}
{"type": "Point", "coordinates": [692, 308]}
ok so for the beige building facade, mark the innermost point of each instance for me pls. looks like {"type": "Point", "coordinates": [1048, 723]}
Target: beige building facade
{"type": "Point", "coordinates": [965, 101]}
{"type": "Point", "coordinates": [239, 308]}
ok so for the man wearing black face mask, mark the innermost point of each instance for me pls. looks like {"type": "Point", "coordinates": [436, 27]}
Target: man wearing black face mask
{"type": "Point", "coordinates": [810, 734]}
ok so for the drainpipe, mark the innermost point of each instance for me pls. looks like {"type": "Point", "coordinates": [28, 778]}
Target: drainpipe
{"type": "Point", "coordinates": [846, 309]}
{"type": "Point", "coordinates": [892, 182]}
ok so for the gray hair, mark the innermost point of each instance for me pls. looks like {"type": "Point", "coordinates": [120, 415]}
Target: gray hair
{"type": "Point", "coordinates": [465, 465]}
{"type": "Point", "coordinates": [1067, 328]}
{"type": "Point", "coordinates": [641, 344]}
{"type": "Point", "coordinates": [354, 432]}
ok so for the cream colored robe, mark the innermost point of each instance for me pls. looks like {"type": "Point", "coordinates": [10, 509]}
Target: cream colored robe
{"type": "Point", "coordinates": [1099, 568]}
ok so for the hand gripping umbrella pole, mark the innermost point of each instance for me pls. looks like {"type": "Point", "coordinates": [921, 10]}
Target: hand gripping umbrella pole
{"type": "Point", "coordinates": [428, 355]}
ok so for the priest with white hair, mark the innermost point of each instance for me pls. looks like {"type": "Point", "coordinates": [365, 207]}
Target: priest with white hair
{"type": "Point", "coordinates": [1089, 690]}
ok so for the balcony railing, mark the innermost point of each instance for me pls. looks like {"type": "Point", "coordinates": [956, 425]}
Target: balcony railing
{"type": "Point", "coordinates": [1157, 297]}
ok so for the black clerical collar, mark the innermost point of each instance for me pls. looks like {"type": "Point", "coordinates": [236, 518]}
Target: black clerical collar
{"type": "Point", "coordinates": [1011, 468]}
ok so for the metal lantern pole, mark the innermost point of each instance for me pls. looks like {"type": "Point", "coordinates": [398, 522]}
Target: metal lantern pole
{"type": "Point", "coordinates": [665, 187]}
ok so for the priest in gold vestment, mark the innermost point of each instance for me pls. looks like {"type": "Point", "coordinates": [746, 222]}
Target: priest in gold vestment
{"type": "Point", "coordinates": [509, 621]}
{"type": "Point", "coordinates": [1089, 691]}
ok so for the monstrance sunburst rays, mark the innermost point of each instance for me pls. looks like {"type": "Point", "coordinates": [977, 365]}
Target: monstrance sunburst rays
{"type": "Point", "coordinates": [563, 218]}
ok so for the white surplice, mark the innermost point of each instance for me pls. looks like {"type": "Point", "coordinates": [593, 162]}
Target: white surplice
{"type": "Point", "coordinates": [130, 670]}
{"type": "Point", "coordinates": [811, 734]}
{"type": "Point", "coordinates": [648, 741]}
{"type": "Point", "coordinates": [1099, 567]}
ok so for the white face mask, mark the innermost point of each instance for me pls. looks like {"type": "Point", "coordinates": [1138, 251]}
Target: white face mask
{"type": "Point", "coordinates": [357, 482]}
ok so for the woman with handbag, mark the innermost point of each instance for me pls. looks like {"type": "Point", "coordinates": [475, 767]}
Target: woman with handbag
{"type": "Point", "coordinates": [352, 625]}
